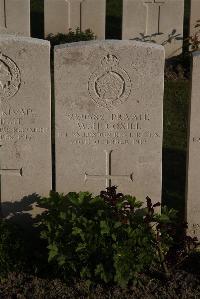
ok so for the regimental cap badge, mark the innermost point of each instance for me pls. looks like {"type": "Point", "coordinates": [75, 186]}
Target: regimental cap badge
{"type": "Point", "coordinates": [109, 85]}
{"type": "Point", "coordinates": [10, 78]}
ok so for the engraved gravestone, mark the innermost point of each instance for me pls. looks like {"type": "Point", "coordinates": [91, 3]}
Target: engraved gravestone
{"type": "Point", "coordinates": [62, 15]}
{"type": "Point", "coordinates": [2, 14]}
{"type": "Point", "coordinates": [109, 101]}
{"type": "Point", "coordinates": [25, 136]}
{"type": "Point", "coordinates": [15, 17]}
{"type": "Point", "coordinates": [154, 17]}
{"type": "Point", "coordinates": [193, 167]}
{"type": "Point", "coordinates": [194, 16]}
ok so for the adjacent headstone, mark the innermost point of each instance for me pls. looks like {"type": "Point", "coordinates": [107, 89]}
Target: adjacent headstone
{"type": "Point", "coordinates": [194, 16]}
{"type": "Point", "coordinates": [193, 167]}
{"type": "Point", "coordinates": [109, 103]}
{"type": "Point", "coordinates": [25, 122]}
{"type": "Point", "coordinates": [62, 15]}
{"type": "Point", "coordinates": [155, 18]}
{"type": "Point", "coordinates": [15, 17]}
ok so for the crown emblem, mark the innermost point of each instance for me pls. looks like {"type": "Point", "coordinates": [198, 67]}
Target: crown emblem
{"type": "Point", "coordinates": [110, 60]}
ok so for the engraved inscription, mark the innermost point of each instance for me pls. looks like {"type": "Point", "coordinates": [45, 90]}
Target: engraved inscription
{"type": "Point", "coordinates": [10, 79]}
{"type": "Point", "coordinates": [19, 124]}
{"type": "Point", "coordinates": [7, 171]}
{"type": "Point", "coordinates": [153, 16]}
{"type": "Point", "coordinates": [108, 175]}
{"type": "Point", "coordinates": [109, 85]}
{"type": "Point", "coordinates": [112, 129]}
{"type": "Point", "coordinates": [196, 139]}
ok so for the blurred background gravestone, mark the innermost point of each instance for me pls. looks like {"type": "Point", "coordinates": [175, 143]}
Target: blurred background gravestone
{"type": "Point", "coordinates": [62, 15]}
{"type": "Point", "coordinates": [194, 16]}
{"type": "Point", "coordinates": [160, 20]}
{"type": "Point", "coordinates": [193, 167]}
{"type": "Point", "coordinates": [15, 17]}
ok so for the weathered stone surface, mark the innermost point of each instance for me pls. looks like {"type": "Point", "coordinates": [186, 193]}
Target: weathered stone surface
{"type": "Point", "coordinates": [15, 17]}
{"type": "Point", "coordinates": [25, 122]}
{"type": "Point", "coordinates": [154, 17]}
{"type": "Point", "coordinates": [62, 15]}
{"type": "Point", "coordinates": [194, 16]}
{"type": "Point", "coordinates": [109, 101]}
{"type": "Point", "coordinates": [193, 167]}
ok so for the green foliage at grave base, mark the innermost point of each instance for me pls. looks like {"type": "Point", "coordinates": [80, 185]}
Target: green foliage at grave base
{"type": "Point", "coordinates": [109, 238]}
{"type": "Point", "coordinates": [71, 37]}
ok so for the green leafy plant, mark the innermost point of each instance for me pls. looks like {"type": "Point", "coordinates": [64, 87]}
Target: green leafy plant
{"type": "Point", "coordinates": [71, 37]}
{"type": "Point", "coordinates": [110, 238]}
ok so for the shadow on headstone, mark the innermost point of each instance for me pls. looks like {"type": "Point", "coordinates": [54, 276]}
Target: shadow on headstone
{"type": "Point", "coordinates": [24, 216]}
{"type": "Point", "coordinates": [37, 19]}
{"type": "Point", "coordinates": [23, 212]}
{"type": "Point", "coordinates": [172, 36]}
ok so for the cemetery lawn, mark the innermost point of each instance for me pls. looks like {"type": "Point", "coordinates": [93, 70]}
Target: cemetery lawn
{"type": "Point", "coordinates": [176, 103]}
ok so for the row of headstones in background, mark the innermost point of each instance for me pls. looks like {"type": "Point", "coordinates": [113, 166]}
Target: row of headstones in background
{"type": "Point", "coordinates": [15, 17]}
{"type": "Point", "coordinates": [150, 17]}
{"type": "Point", "coordinates": [62, 15]}
{"type": "Point", "coordinates": [109, 115]}
{"type": "Point", "coordinates": [157, 17]}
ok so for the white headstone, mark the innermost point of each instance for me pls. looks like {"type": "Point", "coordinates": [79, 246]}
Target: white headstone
{"type": "Point", "coordinates": [193, 167]}
{"type": "Point", "coordinates": [194, 16]}
{"type": "Point", "coordinates": [158, 17]}
{"type": "Point", "coordinates": [25, 118]}
{"type": "Point", "coordinates": [62, 15]}
{"type": "Point", "coordinates": [15, 17]}
{"type": "Point", "coordinates": [109, 103]}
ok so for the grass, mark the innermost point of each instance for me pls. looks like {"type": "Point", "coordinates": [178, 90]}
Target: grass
{"type": "Point", "coordinates": [176, 102]}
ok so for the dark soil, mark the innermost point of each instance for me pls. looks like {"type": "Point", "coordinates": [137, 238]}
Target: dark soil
{"type": "Point", "coordinates": [182, 285]}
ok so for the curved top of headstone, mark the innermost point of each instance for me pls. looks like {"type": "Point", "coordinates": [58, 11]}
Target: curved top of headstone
{"type": "Point", "coordinates": [108, 42]}
{"type": "Point", "coordinates": [17, 38]}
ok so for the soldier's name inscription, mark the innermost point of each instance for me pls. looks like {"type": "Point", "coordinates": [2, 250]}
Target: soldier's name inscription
{"type": "Point", "coordinates": [121, 129]}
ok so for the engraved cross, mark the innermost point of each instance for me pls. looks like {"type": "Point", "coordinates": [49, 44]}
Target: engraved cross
{"type": "Point", "coordinates": [7, 172]}
{"type": "Point", "coordinates": [153, 16]}
{"type": "Point", "coordinates": [3, 22]}
{"type": "Point", "coordinates": [108, 175]}
{"type": "Point", "coordinates": [74, 14]}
